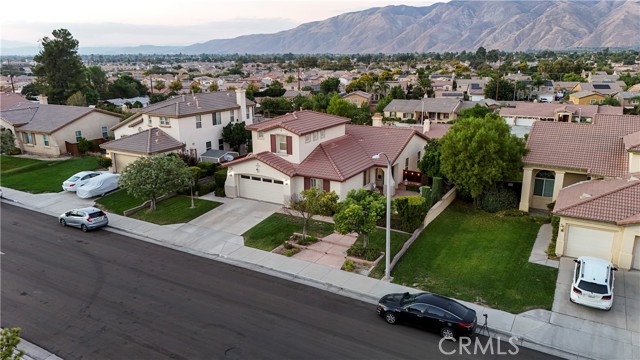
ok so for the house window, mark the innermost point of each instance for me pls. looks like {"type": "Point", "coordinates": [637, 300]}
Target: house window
{"type": "Point", "coordinates": [602, 101]}
{"type": "Point", "coordinates": [307, 138]}
{"type": "Point", "coordinates": [248, 113]}
{"type": "Point", "coordinates": [45, 139]}
{"type": "Point", "coordinates": [315, 136]}
{"type": "Point", "coordinates": [406, 163]}
{"type": "Point", "coordinates": [232, 116]}
{"type": "Point", "coordinates": [593, 102]}
{"type": "Point", "coordinates": [217, 118]}
{"type": "Point", "coordinates": [316, 183]}
{"type": "Point", "coordinates": [321, 134]}
{"type": "Point", "coordinates": [418, 162]}
{"type": "Point", "coordinates": [207, 145]}
{"type": "Point", "coordinates": [198, 121]}
{"type": "Point", "coordinates": [544, 182]}
{"type": "Point", "coordinates": [105, 132]}
{"type": "Point", "coordinates": [78, 135]}
{"type": "Point", "coordinates": [281, 143]}
{"type": "Point", "coordinates": [260, 135]}
{"type": "Point", "coordinates": [28, 138]}
{"type": "Point", "coordinates": [220, 144]}
{"type": "Point", "coordinates": [149, 122]}
{"type": "Point", "coordinates": [164, 121]}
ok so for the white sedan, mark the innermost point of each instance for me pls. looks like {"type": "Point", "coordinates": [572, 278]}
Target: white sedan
{"type": "Point", "coordinates": [77, 180]}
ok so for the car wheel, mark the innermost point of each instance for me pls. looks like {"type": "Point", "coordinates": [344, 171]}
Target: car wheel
{"type": "Point", "coordinates": [84, 228]}
{"type": "Point", "coordinates": [446, 332]}
{"type": "Point", "coordinates": [62, 222]}
{"type": "Point", "coordinates": [390, 318]}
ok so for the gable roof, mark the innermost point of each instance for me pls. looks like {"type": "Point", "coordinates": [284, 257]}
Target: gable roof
{"type": "Point", "coordinates": [188, 105]}
{"type": "Point", "coordinates": [549, 110]}
{"type": "Point", "coordinates": [45, 118]}
{"type": "Point", "coordinates": [584, 94]}
{"type": "Point", "coordinates": [300, 122]}
{"type": "Point", "coordinates": [148, 142]}
{"type": "Point", "coordinates": [602, 88]}
{"type": "Point", "coordinates": [360, 93]}
{"type": "Point", "coordinates": [595, 148]}
{"type": "Point", "coordinates": [9, 99]}
{"type": "Point", "coordinates": [441, 105]}
{"type": "Point", "coordinates": [614, 200]}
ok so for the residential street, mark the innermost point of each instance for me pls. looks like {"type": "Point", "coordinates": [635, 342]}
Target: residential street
{"type": "Point", "coordinates": [102, 295]}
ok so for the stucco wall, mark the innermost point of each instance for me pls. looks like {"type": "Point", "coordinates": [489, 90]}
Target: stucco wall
{"type": "Point", "coordinates": [300, 148]}
{"type": "Point", "coordinates": [415, 145]}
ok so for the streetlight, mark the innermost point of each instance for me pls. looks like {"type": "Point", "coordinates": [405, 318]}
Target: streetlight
{"type": "Point", "coordinates": [387, 270]}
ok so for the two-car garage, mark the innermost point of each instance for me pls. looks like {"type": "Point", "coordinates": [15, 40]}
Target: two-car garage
{"type": "Point", "coordinates": [585, 241]}
{"type": "Point", "coordinates": [620, 247]}
{"type": "Point", "coordinates": [261, 188]}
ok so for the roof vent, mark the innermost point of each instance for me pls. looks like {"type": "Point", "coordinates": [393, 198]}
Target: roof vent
{"type": "Point", "coordinates": [585, 196]}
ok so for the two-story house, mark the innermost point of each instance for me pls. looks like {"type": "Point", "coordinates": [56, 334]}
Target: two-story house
{"type": "Point", "coordinates": [358, 98]}
{"type": "Point", "coordinates": [194, 120]}
{"type": "Point", "coordinates": [435, 109]}
{"type": "Point", "coordinates": [305, 149]}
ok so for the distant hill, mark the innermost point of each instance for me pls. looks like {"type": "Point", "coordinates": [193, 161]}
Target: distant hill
{"type": "Point", "coordinates": [453, 26]}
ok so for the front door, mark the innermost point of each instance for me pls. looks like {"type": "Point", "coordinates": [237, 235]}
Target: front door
{"type": "Point", "coordinates": [379, 177]}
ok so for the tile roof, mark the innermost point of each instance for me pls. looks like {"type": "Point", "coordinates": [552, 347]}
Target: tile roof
{"type": "Point", "coordinates": [584, 93]}
{"type": "Point", "coordinates": [602, 88]}
{"type": "Point", "coordinates": [188, 105]}
{"type": "Point", "coordinates": [548, 110]}
{"type": "Point", "coordinates": [300, 122]}
{"type": "Point", "coordinates": [44, 118]}
{"type": "Point", "coordinates": [9, 99]}
{"type": "Point", "coordinates": [148, 142]}
{"type": "Point", "coordinates": [441, 105]}
{"type": "Point", "coordinates": [632, 141]}
{"type": "Point", "coordinates": [614, 200]}
{"type": "Point", "coordinates": [595, 148]}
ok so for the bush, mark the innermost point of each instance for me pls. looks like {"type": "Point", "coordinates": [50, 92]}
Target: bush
{"type": "Point", "coordinates": [411, 211]}
{"type": "Point", "coordinates": [221, 177]}
{"type": "Point", "coordinates": [412, 187]}
{"type": "Point", "coordinates": [287, 245]}
{"type": "Point", "coordinates": [208, 169]}
{"type": "Point", "coordinates": [555, 226]}
{"type": "Point", "coordinates": [291, 252]}
{"type": "Point", "coordinates": [512, 213]}
{"type": "Point", "coordinates": [358, 251]}
{"type": "Point", "coordinates": [349, 266]}
{"type": "Point", "coordinates": [220, 192]}
{"type": "Point", "coordinates": [498, 199]}
{"type": "Point", "coordinates": [85, 145]}
{"type": "Point", "coordinates": [104, 162]}
{"type": "Point", "coordinates": [205, 187]}
{"type": "Point", "coordinates": [307, 241]}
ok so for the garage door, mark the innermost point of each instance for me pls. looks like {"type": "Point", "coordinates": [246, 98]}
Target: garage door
{"type": "Point", "coordinates": [524, 121]}
{"type": "Point", "coordinates": [122, 161]}
{"type": "Point", "coordinates": [636, 254]}
{"type": "Point", "coordinates": [583, 241]}
{"type": "Point", "coordinates": [261, 188]}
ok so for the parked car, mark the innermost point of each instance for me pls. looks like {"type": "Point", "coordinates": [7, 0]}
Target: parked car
{"type": "Point", "coordinates": [79, 179]}
{"type": "Point", "coordinates": [86, 218]}
{"type": "Point", "coordinates": [434, 312]}
{"type": "Point", "coordinates": [592, 284]}
{"type": "Point", "coordinates": [99, 185]}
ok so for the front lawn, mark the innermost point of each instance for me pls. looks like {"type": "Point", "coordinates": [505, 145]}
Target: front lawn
{"type": "Point", "coordinates": [118, 201]}
{"type": "Point", "coordinates": [39, 176]}
{"type": "Point", "coordinates": [175, 210]}
{"type": "Point", "coordinates": [479, 257]}
{"type": "Point", "coordinates": [274, 230]}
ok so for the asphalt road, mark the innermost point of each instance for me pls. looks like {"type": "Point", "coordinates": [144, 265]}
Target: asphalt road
{"type": "Point", "coordinates": [101, 295]}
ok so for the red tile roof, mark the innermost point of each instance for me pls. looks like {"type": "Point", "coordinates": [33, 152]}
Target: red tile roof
{"type": "Point", "coordinates": [614, 200]}
{"type": "Point", "coordinates": [595, 148]}
{"type": "Point", "coordinates": [300, 122]}
{"type": "Point", "coordinates": [550, 110]}
{"type": "Point", "coordinates": [148, 142]}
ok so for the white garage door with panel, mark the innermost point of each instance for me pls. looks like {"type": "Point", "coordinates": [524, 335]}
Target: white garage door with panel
{"type": "Point", "coordinates": [122, 161]}
{"type": "Point", "coordinates": [636, 254]}
{"type": "Point", "coordinates": [261, 188]}
{"type": "Point", "coordinates": [584, 241]}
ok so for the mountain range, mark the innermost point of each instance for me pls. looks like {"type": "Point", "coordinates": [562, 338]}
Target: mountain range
{"type": "Point", "coordinates": [453, 26]}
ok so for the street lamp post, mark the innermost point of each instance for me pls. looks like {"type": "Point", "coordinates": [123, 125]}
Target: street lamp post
{"type": "Point", "coordinates": [387, 269]}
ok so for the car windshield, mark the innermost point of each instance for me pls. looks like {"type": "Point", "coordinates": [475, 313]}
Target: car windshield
{"type": "Point", "coordinates": [408, 299]}
{"type": "Point", "coordinates": [457, 309]}
{"type": "Point", "coordinates": [96, 214]}
{"type": "Point", "coordinates": [593, 287]}
{"type": "Point", "coordinates": [73, 178]}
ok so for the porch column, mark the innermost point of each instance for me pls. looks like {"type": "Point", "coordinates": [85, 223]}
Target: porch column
{"type": "Point", "coordinates": [558, 184]}
{"type": "Point", "coordinates": [525, 195]}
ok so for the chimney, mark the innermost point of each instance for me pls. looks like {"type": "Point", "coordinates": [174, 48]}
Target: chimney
{"type": "Point", "coordinates": [241, 99]}
{"type": "Point", "coordinates": [377, 120]}
{"type": "Point", "coordinates": [43, 99]}
{"type": "Point", "coordinates": [125, 108]}
{"type": "Point", "coordinates": [426, 126]}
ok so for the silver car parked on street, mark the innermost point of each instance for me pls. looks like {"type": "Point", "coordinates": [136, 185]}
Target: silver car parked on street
{"type": "Point", "coordinates": [86, 218]}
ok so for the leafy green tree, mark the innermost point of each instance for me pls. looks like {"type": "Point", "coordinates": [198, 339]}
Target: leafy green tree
{"type": "Point", "coordinates": [195, 87]}
{"type": "Point", "coordinates": [235, 135]}
{"type": "Point", "coordinates": [330, 85]}
{"type": "Point", "coordinates": [572, 77]}
{"type": "Point", "coordinates": [478, 152]}
{"type": "Point", "coordinates": [429, 165]}
{"type": "Point", "coordinates": [310, 203]}
{"type": "Point", "coordinates": [341, 107]}
{"type": "Point", "coordinates": [478, 111]}
{"type": "Point", "coordinates": [275, 106]}
{"type": "Point", "coordinates": [77, 99]}
{"type": "Point", "coordinates": [159, 85]}
{"type": "Point", "coordinates": [175, 85]}
{"type": "Point", "coordinates": [213, 87]}
{"type": "Point", "coordinates": [32, 90]}
{"type": "Point", "coordinates": [59, 68]}
{"type": "Point", "coordinates": [610, 100]}
{"type": "Point", "coordinates": [97, 80]}
{"type": "Point", "coordinates": [9, 340]}
{"type": "Point", "coordinates": [154, 176]}
{"type": "Point", "coordinates": [501, 88]}
{"type": "Point", "coordinates": [383, 103]}
{"type": "Point", "coordinates": [359, 213]}
{"type": "Point", "coordinates": [320, 102]}
{"type": "Point", "coordinates": [126, 87]}
{"type": "Point", "coordinates": [7, 142]}
{"type": "Point", "coordinates": [396, 92]}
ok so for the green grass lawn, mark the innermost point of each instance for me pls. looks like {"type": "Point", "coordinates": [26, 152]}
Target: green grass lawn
{"type": "Point", "coordinates": [175, 210]}
{"type": "Point", "coordinates": [118, 201]}
{"type": "Point", "coordinates": [274, 230]}
{"type": "Point", "coordinates": [378, 240]}
{"type": "Point", "coordinates": [38, 176]}
{"type": "Point", "coordinates": [479, 257]}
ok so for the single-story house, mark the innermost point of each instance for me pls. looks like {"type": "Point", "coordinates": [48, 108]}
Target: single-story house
{"type": "Point", "coordinates": [586, 97]}
{"type": "Point", "coordinates": [436, 110]}
{"type": "Point", "coordinates": [526, 113]}
{"type": "Point", "coordinates": [628, 99]}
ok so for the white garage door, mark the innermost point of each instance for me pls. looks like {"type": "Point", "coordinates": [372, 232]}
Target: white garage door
{"type": "Point", "coordinates": [261, 188]}
{"type": "Point", "coordinates": [122, 161]}
{"type": "Point", "coordinates": [583, 241]}
{"type": "Point", "coordinates": [636, 254]}
{"type": "Point", "coordinates": [524, 121]}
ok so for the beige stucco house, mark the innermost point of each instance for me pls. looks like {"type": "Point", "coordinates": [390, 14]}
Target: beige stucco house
{"type": "Point", "coordinates": [305, 149]}
{"type": "Point", "coordinates": [358, 98]}
{"type": "Point", "coordinates": [440, 110]}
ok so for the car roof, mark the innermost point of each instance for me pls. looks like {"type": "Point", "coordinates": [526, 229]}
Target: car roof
{"type": "Point", "coordinates": [594, 269]}
{"type": "Point", "coordinates": [88, 209]}
{"type": "Point", "coordinates": [82, 173]}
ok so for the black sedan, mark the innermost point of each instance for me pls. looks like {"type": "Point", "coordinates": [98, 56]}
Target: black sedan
{"type": "Point", "coordinates": [437, 313]}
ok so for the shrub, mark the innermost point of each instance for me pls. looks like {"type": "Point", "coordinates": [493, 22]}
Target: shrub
{"type": "Point", "coordinates": [512, 213]}
{"type": "Point", "coordinates": [104, 162]}
{"type": "Point", "coordinates": [412, 187]}
{"type": "Point", "coordinates": [287, 245]}
{"type": "Point", "coordinates": [307, 241]}
{"type": "Point", "coordinates": [555, 226]}
{"type": "Point", "coordinates": [291, 252]}
{"type": "Point", "coordinates": [208, 169]}
{"type": "Point", "coordinates": [15, 151]}
{"type": "Point", "coordinates": [411, 211]}
{"type": "Point", "coordinates": [221, 177]}
{"type": "Point", "coordinates": [219, 192]}
{"type": "Point", "coordinates": [498, 199]}
{"type": "Point", "coordinates": [358, 251]}
{"type": "Point", "coordinates": [349, 266]}
{"type": "Point", "coordinates": [205, 187]}
{"type": "Point", "coordinates": [85, 145]}
{"type": "Point", "coordinates": [551, 205]}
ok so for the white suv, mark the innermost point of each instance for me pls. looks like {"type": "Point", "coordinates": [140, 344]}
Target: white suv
{"type": "Point", "coordinates": [593, 283]}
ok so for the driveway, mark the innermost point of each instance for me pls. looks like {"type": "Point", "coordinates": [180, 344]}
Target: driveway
{"type": "Point", "coordinates": [626, 302]}
{"type": "Point", "coordinates": [236, 215]}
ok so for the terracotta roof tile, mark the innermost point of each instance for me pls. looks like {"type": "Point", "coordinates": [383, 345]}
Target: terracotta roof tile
{"type": "Point", "coordinates": [45, 118]}
{"type": "Point", "coordinates": [595, 148]}
{"type": "Point", "coordinates": [300, 122]}
{"type": "Point", "coordinates": [148, 142]}
{"type": "Point", "coordinates": [614, 200]}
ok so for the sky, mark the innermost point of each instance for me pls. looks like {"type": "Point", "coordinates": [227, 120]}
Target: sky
{"type": "Point", "coordinates": [181, 22]}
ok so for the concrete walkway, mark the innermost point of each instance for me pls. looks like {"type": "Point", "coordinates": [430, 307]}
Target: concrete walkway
{"type": "Point", "coordinates": [539, 251]}
{"type": "Point", "coordinates": [571, 339]}
{"type": "Point", "coordinates": [330, 251]}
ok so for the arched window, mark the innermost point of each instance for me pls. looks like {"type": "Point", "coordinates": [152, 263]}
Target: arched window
{"type": "Point", "coordinates": [543, 185]}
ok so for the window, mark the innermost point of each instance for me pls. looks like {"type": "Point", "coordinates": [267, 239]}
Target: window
{"type": "Point", "coordinates": [281, 144]}
{"type": "Point", "coordinates": [217, 119]}
{"type": "Point", "coordinates": [232, 116]}
{"type": "Point", "coordinates": [601, 101]}
{"type": "Point", "coordinates": [45, 139]}
{"type": "Point", "coordinates": [315, 136]}
{"type": "Point", "coordinates": [307, 138]}
{"type": "Point", "coordinates": [279, 182]}
{"type": "Point", "coordinates": [543, 184]}
{"type": "Point", "coordinates": [220, 144]}
{"type": "Point", "coordinates": [248, 113]}
{"type": "Point", "coordinates": [316, 183]}
{"type": "Point", "coordinates": [78, 135]}
{"type": "Point", "coordinates": [593, 102]}
{"type": "Point", "coordinates": [418, 162]}
{"type": "Point", "coordinates": [406, 163]}
{"type": "Point", "coordinates": [149, 122]}
{"type": "Point", "coordinates": [105, 132]}
{"type": "Point", "coordinates": [207, 145]}
{"type": "Point", "coordinates": [164, 121]}
{"type": "Point", "coordinates": [28, 138]}
{"type": "Point", "coordinates": [198, 121]}
{"type": "Point", "coordinates": [260, 135]}
{"type": "Point", "coordinates": [321, 134]}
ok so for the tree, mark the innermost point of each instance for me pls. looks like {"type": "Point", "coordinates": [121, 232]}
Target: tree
{"type": "Point", "coordinates": [7, 142]}
{"type": "Point", "coordinates": [341, 107]}
{"type": "Point", "coordinates": [275, 106]}
{"type": "Point", "coordinates": [330, 85]}
{"type": "Point", "coordinates": [235, 135]}
{"type": "Point", "coordinates": [175, 85]}
{"type": "Point", "coordinates": [9, 340]}
{"type": "Point", "coordinates": [213, 87]}
{"type": "Point", "coordinates": [397, 93]}
{"type": "Point", "coordinates": [126, 87]}
{"type": "Point", "coordinates": [77, 99]}
{"type": "Point", "coordinates": [499, 89]}
{"type": "Point", "coordinates": [310, 203]}
{"type": "Point", "coordinates": [31, 91]}
{"type": "Point", "coordinates": [478, 111]}
{"type": "Point", "coordinates": [610, 100]}
{"type": "Point", "coordinates": [159, 85]}
{"type": "Point", "coordinates": [478, 152]}
{"type": "Point", "coordinates": [97, 81]}
{"type": "Point", "coordinates": [59, 70]}
{"type": "Point", "coordinates": [154, 176]}
{"type": "Point", "coordinates": [429, 165]}
{"type": "Point", "coordinates": [359, 213]}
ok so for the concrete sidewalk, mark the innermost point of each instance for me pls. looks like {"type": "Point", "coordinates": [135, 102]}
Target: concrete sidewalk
{"type": "Point", "coordinates": [533, 329]}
